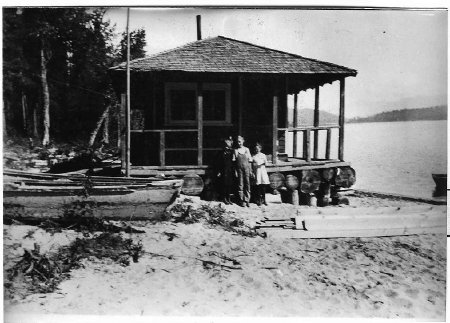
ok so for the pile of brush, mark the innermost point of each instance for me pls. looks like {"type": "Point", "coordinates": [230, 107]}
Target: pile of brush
{"type": "Point", "coordinates": [213, 215]}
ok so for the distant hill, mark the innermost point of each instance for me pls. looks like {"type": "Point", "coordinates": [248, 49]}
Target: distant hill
{"type": "Point", "coordinates": [431, 113]}
{"type": "Point", "coordinates": [306, 117]}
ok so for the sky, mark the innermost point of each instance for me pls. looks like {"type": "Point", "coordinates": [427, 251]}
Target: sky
{"type": "Point", "coordinates": [400, 55]}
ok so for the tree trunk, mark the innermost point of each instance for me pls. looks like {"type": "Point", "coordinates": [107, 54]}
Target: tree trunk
{"type": "Point", "coordinates": [46, 97]}
{"type": "Point", "coordinates": [24, 113]}
{"type": "Point", "coordinates": [35, 122]}
{"type": "Point", "coordinates": [5, 106]}
{"type": "Point", "coordinates": [119, 134]}
{"type": "Point", "coordinates": [97, 127]}
{"type": "Point", "coordinates": [105, 138]}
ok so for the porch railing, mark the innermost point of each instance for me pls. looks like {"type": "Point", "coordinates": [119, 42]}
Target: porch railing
{"type": "Point", "coordinates": [162, 142]}
{"type": "Point", "coordinates": [306, 130]}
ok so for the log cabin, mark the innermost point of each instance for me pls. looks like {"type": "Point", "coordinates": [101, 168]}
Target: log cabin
{"type": "Point", "coordinates": [184, 100]}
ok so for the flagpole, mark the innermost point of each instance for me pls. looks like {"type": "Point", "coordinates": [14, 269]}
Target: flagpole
{"type": "Point", "coordinates": [127, 116]}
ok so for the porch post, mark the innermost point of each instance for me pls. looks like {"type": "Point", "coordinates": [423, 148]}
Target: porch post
{"type": "Point", "coordinates": [122, 130]}
{"type": "Point", "coordinates": [295, 124]}
{"type": "Point", "coordinates": [316, 121]}
{"type": "Point", "coordinates": [286, 111]}
{"type": "Point", "coordinates": [200, 123]}
{"type": "Point", "coordinates": [275, 130]}
{"type": "Point", "coordinates": [240, 104]}
{"type": "Point", "coordinates": [341, 119]}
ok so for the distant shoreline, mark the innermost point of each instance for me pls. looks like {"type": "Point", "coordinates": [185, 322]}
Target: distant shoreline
{"type": "Point", "coordinates": [392, 121]}
{"type": "Point", "coordinates": [422, 114]}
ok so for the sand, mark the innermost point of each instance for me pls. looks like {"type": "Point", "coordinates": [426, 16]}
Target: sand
{"type": "Point", "coordinates": [390, 277]}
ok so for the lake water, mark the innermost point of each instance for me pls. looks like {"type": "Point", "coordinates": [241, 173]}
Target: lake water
{"type": "Point", "coordinates": [391, 157]}
{"type": "Point", "coordinates": [397, 157]}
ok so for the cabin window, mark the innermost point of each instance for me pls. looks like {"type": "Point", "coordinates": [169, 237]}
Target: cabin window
{"type": "Point", "coordinates": [181, 103]}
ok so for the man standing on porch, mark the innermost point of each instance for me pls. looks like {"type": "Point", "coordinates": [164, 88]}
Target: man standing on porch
{"type": "Point", "coordinates": [243, 158]}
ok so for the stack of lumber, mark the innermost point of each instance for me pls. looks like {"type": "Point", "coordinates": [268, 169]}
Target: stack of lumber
{"type": "Point", "coordinates": [358, 222]}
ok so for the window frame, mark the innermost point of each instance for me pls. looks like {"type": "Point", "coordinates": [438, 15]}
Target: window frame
{"type": "Point", "coordinates": [193, 86]}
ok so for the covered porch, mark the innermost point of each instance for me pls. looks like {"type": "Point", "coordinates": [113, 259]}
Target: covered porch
{"type": "Point", "coordinates": [247, 95]}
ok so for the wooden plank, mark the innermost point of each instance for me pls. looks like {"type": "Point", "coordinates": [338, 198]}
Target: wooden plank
{"type": "Point", "coordinates": [306, 145]}
{"type": "Point", "coordinates": [200, 123]}
{"type": "Point", "coordinates": [328, 144]}
{"type": "Point", "coordinates": [371, 221]}
{"type": "Point", "coordinates": [295, 124]}
{"type": "Point", "coordinates": [301, 234]}
{"type": "Point", "coordinates": [316, 121]}
{"type": "Point", "coordinates": [275, 130]}
{"type": "Point", "coordinates": [350, 211]}
{"type": "Point", "coordinates": [291, 129]}
{"type": "Point", "coordinates": [161, 130]}
{"type": "Point", "coordinates": [341, 119]}
{"type": "Point", "coordinates": [154, 172]}
{"type": "Point", "coordinates": [162, 148]}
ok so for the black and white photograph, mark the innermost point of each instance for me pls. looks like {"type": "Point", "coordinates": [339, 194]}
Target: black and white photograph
{"type": "Point", "coordinates": [224, 162]}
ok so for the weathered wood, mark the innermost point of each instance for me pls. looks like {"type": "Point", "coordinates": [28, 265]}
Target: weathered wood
{"type": "Point", "coordinates": [292, 182]}
{"type": "Point", "coordinates": [192, 185]}
{"type": "Point", "coordinates": [345, 177]}
{"type": "Point", "coordinates": [291, 129]}
{"type": "Point", "coordinates": [295, 125]}
{"type": "Point", "coordinates": [307, 145]}
{"type": "Point", "coordinates": [370, 221]}
{"type": "Point", "coordinates": [328, 144]}
{"type": "Point", "coordinates": [286, 112]}
{"type": "Point", "coordinates": [162, 148]}
{"type": "Point", "coordinates": [128, 111]}
{"type": "Point", "coordinates": [162, 130]}
{"type": "Point", "coordinates": [146, 203]}
{"type": "Point", "coordinates": [302, 234]}
{"type": "Point", "coordinates": [122, 134]}
{"type": "Point", "coordinates": [341, 119]}
{"type": "Point", "coordinates": [295, 197]}
{"type": "Point", "coordinates": [276, 180]}
{"type": "Point", "coordinates": [310, 181]}
{"type": "Point", "coordinates": [275, 130]}
{"type": "Point", "coordinates": [240, 103]}
{"type": "Point", "coordinates": [200, 123]}
{"type": "Point", "coordinates": [316, 121]}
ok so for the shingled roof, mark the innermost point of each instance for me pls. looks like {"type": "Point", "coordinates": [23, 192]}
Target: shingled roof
{"type": "Point", "coordinates": [225, 55]}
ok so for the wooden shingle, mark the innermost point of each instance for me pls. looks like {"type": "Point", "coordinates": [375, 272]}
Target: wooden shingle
{"type": "Point", "coordinates": [225, 55]}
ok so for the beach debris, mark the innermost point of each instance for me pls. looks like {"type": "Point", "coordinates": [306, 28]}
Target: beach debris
{"type": "Point", "coordinates": [171, 235]}
{"type": "Point", "coordinates": [41, 273]}
{"type": "Point", "coordinates": [214, 215]}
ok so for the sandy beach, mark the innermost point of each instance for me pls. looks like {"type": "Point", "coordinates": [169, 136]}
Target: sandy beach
{"type": "Point", "coordinates": [202, 270]}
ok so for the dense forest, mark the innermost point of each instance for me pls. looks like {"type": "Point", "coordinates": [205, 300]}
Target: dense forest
{"type": "Point", "coordinates": [56, 85]}
{"type": "Point", "coordinates": [431, 113]}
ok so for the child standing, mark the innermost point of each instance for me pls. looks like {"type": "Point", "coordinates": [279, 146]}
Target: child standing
{"type": "Point", "coordinates": [225, 170]}
{"type": "Point", "coordinates": [243, 158]}
{"type": "Point", "coordinates": [261, 177]}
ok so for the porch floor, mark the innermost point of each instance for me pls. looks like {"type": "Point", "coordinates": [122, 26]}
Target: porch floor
{"type": "Point", "coordinates": [291, 164]}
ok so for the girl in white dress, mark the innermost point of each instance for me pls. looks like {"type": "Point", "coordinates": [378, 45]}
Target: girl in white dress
{"type": "Point", "coordinates": [261, 177]}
